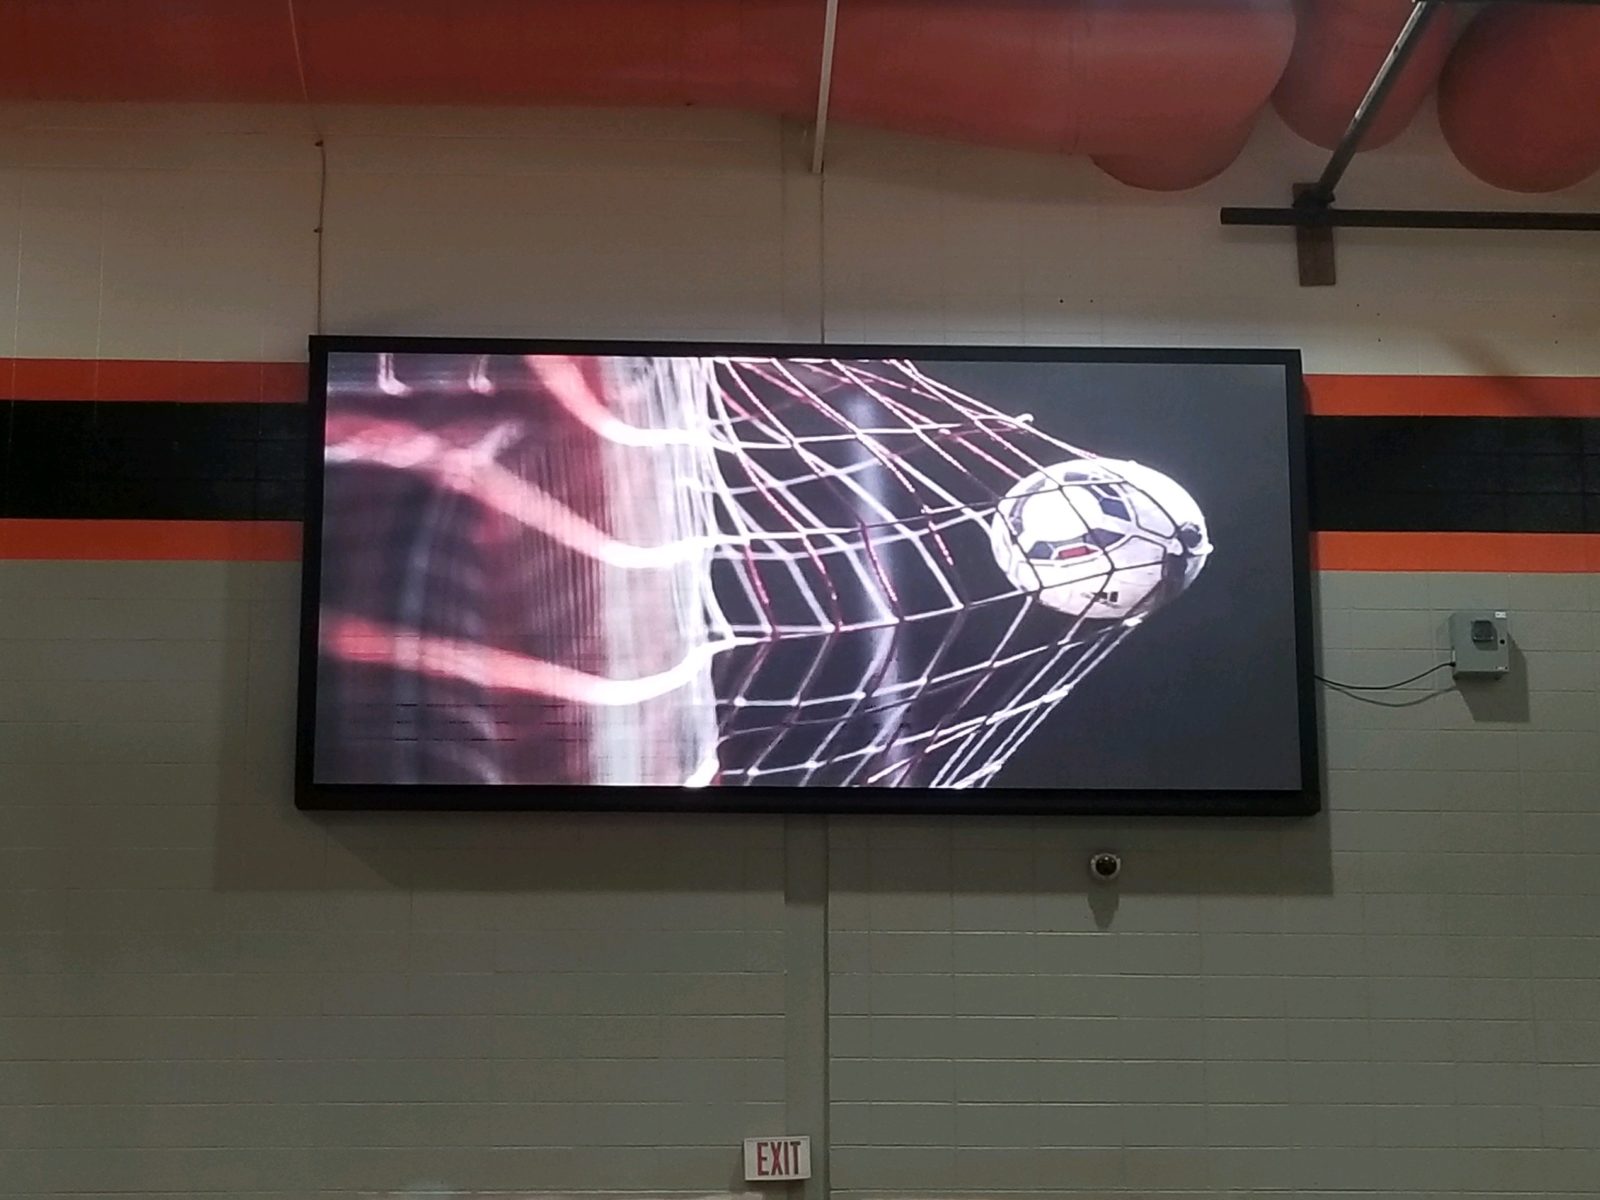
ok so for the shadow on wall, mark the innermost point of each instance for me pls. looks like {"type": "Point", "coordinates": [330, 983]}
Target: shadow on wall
{"type": "Point", "coordinates": [1487, 361]}
{"type": "Point", "coordinates": [1502, 700]}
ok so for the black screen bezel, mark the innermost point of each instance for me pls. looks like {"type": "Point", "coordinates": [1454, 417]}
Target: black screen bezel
{"type": "Point", "coordinates": [314, 796]}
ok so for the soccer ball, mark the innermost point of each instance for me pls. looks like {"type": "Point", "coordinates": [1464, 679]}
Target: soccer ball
{"type": "Point", "coordinates": [1100, 538]}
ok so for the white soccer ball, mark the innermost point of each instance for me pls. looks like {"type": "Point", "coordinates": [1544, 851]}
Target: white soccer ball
{"type": "Point", "coordinates": [1100, 538]}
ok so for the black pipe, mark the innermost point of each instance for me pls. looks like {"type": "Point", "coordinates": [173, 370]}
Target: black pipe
{"type": "Point", "coordinates": [1320, 194]}
{"type": "Point", "coordinates": [1406, 218]}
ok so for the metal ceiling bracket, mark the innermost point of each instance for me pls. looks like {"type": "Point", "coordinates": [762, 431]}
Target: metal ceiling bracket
{"type": "Point", "coordinates": [1313, 224]}
{"type": "Point", "coordinates": [1313, 216]}
{"type": "Point", "coordinates": [1313, 241]}
{"type": "Point", "coordinates": [1300, 217]}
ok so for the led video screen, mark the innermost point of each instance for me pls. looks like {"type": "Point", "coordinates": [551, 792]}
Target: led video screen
{"type": "Point", "coordinates": [608, 575]}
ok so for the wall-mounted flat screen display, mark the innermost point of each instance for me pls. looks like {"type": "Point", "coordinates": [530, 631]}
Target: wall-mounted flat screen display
{"type": "Point", "coordinates": [787, 578]}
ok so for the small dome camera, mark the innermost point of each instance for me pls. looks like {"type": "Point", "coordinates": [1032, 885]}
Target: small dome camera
{"type": "Point", "coordinates": [1104, 866]}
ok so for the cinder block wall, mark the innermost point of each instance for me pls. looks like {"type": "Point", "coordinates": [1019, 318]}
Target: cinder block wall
{"type": "Point", "coordinates": [204, 993]}
{"type": "Point", "coordinates": [1399, 999]}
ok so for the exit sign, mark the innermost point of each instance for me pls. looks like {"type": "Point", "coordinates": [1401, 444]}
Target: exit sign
{"type": "Point", "coordinates": [767, 1159]}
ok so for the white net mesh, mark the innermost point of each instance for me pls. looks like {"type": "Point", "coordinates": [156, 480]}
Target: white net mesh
{"type": "Point", "coordinates": [881, 644]}
{"type": "Point", "coordinates": [791, 570]}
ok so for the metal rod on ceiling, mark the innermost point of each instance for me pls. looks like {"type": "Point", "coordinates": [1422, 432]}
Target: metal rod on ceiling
{"type": "Point", "coordinates": [1405, 218]}
{"type": "Point", "coordinates": [1320, 194]}
{"type": "Point", "coordinates": [819, 136]}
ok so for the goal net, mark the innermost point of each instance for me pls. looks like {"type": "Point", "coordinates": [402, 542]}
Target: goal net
{"type": "Point", "coordinates": [691, 571]}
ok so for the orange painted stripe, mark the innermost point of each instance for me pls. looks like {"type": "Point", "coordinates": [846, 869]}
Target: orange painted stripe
{"type": "Point", "coordinates": [285, 383]}
{"type": "Point", "coordinates": [279, 541]}
{"type": "Point", "coordinates": [1512, 553]}
{"type": "Point", "coordinates": [170, 541]}
{"type": "Point", "coordinates": [110, 379]}
{"type": "Point", "coordinates": [1453, 396]}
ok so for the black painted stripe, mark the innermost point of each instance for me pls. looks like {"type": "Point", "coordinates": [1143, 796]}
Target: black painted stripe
{"type": "Point", "coordinates": [1455, 474]}
{"type": "Point", "coordinates": [161, 461]}
{"type": "Point", "coordinates": [153, 461]}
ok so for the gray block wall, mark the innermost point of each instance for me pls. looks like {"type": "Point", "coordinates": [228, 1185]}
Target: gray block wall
{"type": "Point", "coordinates": [205, 993]}
{"type": "Point", "coordinates": [1401, 997]}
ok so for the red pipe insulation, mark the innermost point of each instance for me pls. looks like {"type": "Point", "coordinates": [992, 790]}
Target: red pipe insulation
{"type": "Point", "coordinates": [1160, 90]}
{"type": "Point", "coordinates": [1519, 102]}
{"type": "Point", "coordinates": [1161, 93]}
{"type": "Point", "coordinates": [1338, 50]}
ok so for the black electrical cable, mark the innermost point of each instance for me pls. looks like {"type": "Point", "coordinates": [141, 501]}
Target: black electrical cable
{"type": "Point", "coordinates": [322, 219]}
{"type": "Point", "coordinates": [1383, 687]}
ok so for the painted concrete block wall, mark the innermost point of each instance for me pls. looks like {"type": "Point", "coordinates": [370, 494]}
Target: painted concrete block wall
{"type": "Point", "coordinates": [206, 993]}
{"type": "Point", "coordinates": [1398, 998]}
{"type": "Point", "coordinates": [203, 993]}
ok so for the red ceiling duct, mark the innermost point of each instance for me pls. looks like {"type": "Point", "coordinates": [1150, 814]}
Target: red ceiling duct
{"type": "Point", "coordinates": [236, 50]}
{"type": "Point", "coordinates": [761, 54]}
{"type": "Point", "coordinates": [1520, 99]}
{"type": "Point", "coordinates": [1337, 51]}
{"type": "Point", "coordinates": [1205, 157]}
{"type": "Point", "coordinates": [1163, 92]}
